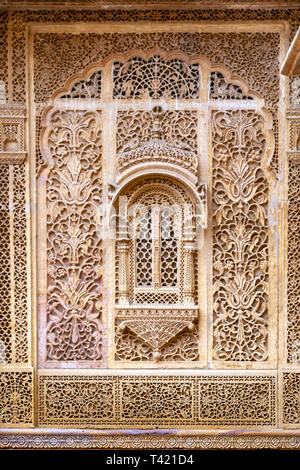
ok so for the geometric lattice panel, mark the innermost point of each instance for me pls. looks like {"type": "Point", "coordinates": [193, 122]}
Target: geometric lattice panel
{"type": "Point", "coordinates": [151, 400]}
{"type": "Point", "coordinates": [16, 399]}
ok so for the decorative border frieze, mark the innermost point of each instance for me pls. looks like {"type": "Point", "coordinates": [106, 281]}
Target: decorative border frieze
{"type": "Point", "coordinates": [156, 439]}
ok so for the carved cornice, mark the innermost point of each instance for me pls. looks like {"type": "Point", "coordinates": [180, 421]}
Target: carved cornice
{"type": "Point", "coordinates": [142, 5]}
{"type": "Point", "coordinates": [156, 439]}
{"type": "Point", "coordinates": [12, 109]}
{"type": "Point", "coordinates": [293, 113]}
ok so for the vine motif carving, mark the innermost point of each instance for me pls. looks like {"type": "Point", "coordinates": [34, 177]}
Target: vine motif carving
{"type": "Point", "coordinates": [229, 400]}
{"type": "Point", "coordinates": [240, 255]}
{"type": "Point", "coordinates": [157, 400]}
{"type": "Point", "coordinates": [156, 136]}
{"type": "Point", "coordinates": [77, 400]}
{"type": "Point", "coordinates": [74, 194]}
{"type": "Point", "coordinates": [293, 332]}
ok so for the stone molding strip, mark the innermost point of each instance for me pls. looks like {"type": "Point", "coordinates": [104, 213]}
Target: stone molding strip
{"type": "Point", "coordinates": [141, 439]}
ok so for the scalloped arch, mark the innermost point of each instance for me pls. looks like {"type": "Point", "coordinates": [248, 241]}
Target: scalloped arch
{"type": "Point", "coordinates": [146, 55]}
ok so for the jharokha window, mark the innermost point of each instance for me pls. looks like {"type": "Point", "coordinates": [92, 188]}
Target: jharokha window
{"type": "Point", "coordinates": [156, 259]}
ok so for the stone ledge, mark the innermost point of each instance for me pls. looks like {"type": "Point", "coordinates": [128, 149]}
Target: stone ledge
{"type": "Point", "coordinates": [150, 439]}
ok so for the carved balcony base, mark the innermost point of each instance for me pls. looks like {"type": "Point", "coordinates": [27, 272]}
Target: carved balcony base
{"type": "Point", "coordinates": [157, 326]}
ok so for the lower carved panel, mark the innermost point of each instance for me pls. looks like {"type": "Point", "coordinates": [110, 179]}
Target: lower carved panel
{"type": "Point", "coordinates": [168, 401]}
{"type": "Point", "coordinates": [157, 400]}
{"type": "Point", "coordinates": [236, 400]}
{"type": "Point", "coordinates": [291, 399]}
{"type": "Point", "coordinates": [77, 400]}
{"type": "Point", "coordinates": [16, 399]}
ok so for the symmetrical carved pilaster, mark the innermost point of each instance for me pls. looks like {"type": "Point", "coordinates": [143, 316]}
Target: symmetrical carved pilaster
{"type": "Point", "coordinates": [74, 193]}
{"type": "Point", "coordinates": [240, 237]}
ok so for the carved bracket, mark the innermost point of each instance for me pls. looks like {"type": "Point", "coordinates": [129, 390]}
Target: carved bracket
{"type": "Point", "coordinates": [157, 326]}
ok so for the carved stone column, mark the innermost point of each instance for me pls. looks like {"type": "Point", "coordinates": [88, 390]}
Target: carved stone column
{"type": "Point", "coordinates": [188, 276]}
{"type": "Point", "coordinates": [156, 246]}
{"type": "Point", "coordinates": [188, 256]}
{"type": "Point", "coordinates": [123, 250]}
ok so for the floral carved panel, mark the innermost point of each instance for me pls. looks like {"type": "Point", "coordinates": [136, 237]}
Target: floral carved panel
{"type": "Point", "coordinates": [74, 261]}
{"type": "Point", "coordinates": [240, 237]}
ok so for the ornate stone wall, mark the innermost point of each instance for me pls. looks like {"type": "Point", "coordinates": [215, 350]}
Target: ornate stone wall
{"type": "Point", "coordinates": [189, 116]}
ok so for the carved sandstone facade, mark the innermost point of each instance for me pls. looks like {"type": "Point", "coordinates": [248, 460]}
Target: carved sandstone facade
{"type": "Point", "coordinates": [144, 222]}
